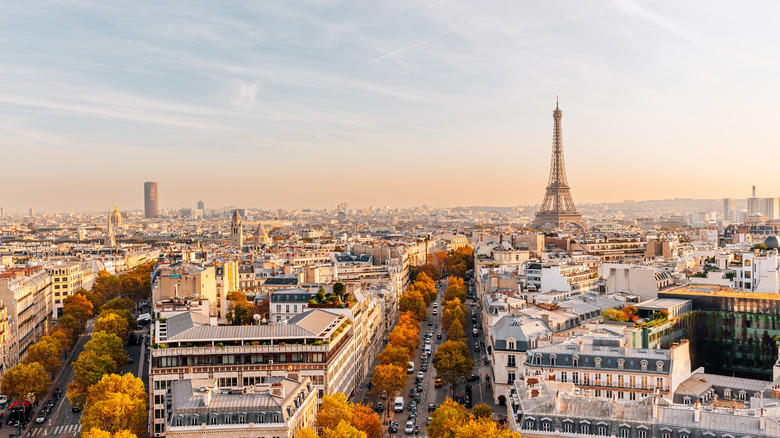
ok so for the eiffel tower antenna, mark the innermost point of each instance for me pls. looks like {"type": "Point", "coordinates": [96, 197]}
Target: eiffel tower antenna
{"type": "Point", "coordinates": [557, 208]}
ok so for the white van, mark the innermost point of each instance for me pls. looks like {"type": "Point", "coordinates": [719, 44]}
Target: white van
{"type": "Point", "coordinates": [410, 368]}
{"type": "Point", "coordinates": [399, 404]}
{"type": "Point", "coordinates": [428, 349]}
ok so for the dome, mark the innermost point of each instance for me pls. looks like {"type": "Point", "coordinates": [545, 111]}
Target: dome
{"type": "Point", "coordinates": [771, 242]}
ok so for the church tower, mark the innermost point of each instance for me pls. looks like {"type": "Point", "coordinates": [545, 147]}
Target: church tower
{"type": "Point", "coordinates": [110, 238]}
{"type": "Point", "coordinates": [236, 231]}
{"type": "Point", "coordinates": [261, 235]}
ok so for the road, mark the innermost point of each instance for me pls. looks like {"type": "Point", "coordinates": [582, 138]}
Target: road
{"type": "Point", "coordinates": [431, 394]}
{"type": "Point", "coordinates": [62, 422]}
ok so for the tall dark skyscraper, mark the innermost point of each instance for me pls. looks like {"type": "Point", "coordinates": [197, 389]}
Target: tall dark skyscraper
{"type": "Point", "coordinates": [151, 207]}
{"type": "Point", "coordinates": [201, 205]}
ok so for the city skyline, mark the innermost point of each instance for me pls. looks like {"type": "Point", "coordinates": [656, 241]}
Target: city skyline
{"type": "Point", "coordinates": [444, 103]}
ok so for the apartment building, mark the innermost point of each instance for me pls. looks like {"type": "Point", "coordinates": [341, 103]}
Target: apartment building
{"type": "Point", "coordinates": [67, 278]}
{"type": "Point", "coordinates": [603, 368]}
{"type": "Point", "coordinates": [287, 303]}
{"type": "Point", "coordinates": [561, 276]}
{"type": "Point", "coordinates": [276, 407]}
{"type": "Point", "coordinates": [317, 344]}
{"type": "Point", "coordinates": [26, 293]}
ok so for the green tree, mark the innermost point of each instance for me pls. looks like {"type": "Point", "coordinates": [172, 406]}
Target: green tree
{"type": "Point", "coordinates": [23, 379]}
{"type": "Point", "coordinates": [339, 289]}
{"type": "Point", "coordinates": [453, 363]}
{"type": "Point", "coordinates": [70, 326]}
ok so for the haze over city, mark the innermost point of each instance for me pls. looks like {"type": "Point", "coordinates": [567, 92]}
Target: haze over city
{"type": "Point", "coordinates": [444, 103]}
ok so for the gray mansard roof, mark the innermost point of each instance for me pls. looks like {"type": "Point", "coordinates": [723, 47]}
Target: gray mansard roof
{"type": "Point", "coordinates": [609, 357]}
{"type": "Point", "coordinates": [524, 330]}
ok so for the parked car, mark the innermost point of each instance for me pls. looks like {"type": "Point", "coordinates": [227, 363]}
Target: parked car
{"type": "Point", "coordinates": [40, 418]}
{"type": "Point", "coordinates": [409, 429]}
{"type": "Point", "coordinates": [437, 383]}
{"type": "Point", "coordinates": [380, 407]}
{"type": "Point", "coordinates": [3, 399]}
{"type": "Point", "coordinates": [431, 407]}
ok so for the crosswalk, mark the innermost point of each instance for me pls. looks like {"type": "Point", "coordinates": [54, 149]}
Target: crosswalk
{"type": "Point", "coordinates": [55, 430]}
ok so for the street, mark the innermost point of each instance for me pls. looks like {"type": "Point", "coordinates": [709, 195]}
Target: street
{"type": "Point", "coordinates": [61, 421]}
{"type": "Point", "coordinates": [431, 394]}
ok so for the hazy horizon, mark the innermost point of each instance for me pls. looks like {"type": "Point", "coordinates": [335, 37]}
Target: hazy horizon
{"type": "Point", "coordinates": [403, 103]}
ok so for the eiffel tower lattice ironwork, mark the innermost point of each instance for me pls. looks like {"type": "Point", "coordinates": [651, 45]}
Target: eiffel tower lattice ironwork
{"type": "Point", "coordinates": [557, 208]}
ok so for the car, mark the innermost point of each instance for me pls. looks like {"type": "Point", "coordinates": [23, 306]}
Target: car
{"type": "Point", "coordinates": [424, 366]}
{"type": "Point", "coordinates": [474, 378]}
{"type": "Point", "coordinates": [412, 405]}
{"type": "Point", "coordinates": [417, 398]}
{"type": "Point", "coordinates": [437, 383]}
{"type": "Point", "coordinates": [380, 407]}
{"type": "Point", "coordinates": [40, 418]}
{"type": "Point", "coordinates": [435, 312]}
{"type": "Point", "coordinates": [3, 399]}
{"type": "Point", "coordinates": [412, 392]}
{"type": "Point", "coordinates": [409, 429]}
{"type": "Point", "coordinates": [411, 417]}
{"type": "Point", "coordinates": [435, 304]}
{"type": "Point", "coordinates": [129, 359]}
{"type": "Point", "coordinates": [431, 407]}
{"type": "Point", "coordinates": [476, 348]}
{"type": "Point", "coordinates": [430, 323]}
{"type": "Point", "coordinates": [75, 408]}
{"type": "Point", "coordinates": [429, 421]}
{"type": "Point", "coordinates": [438, 337]}
{"type": "Point", "coordinates": [416, 429]}
{"type": "Point", "coordinates": [420, 376]}
{"type": "Point", "coordinates": [393, 427]}
{"type": "Point", "coordinates": [419, 387]}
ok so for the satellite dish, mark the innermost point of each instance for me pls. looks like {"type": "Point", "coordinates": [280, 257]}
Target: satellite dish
{"type": "Point", "coordinates": [256, 317]}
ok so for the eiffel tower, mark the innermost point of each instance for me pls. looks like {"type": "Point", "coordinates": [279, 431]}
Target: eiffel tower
{"type": "Point", "coordinates": [557, 208]}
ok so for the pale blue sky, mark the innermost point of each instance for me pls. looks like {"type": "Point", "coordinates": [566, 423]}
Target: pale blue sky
{"type": "Point", "coordinates": [282, 104]}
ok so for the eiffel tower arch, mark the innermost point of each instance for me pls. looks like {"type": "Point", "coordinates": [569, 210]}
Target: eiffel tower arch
{"type": "Point", "coordinates": [557, 209]}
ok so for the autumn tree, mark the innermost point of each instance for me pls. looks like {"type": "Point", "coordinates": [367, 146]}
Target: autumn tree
{"type": "Point", "coordinates": [483, 428]}
{"type": "Point", "coordinates": [387, 379]}
{"type": "Point", "coordinates": [432, 271]}
{"type": "Point", "coordinates": [482, 411]}
{"type": "Point", "coordinates": [395, 355]}
{"type": "Point", "coordinates": [116, 403]}
{"type": "Point", "coordinates": [338, 417]}
{"type": "Point", "coordinates": [46, 352]}
{"type": "Point", "coordinates": [306, 432]}
{"type": "Point", "coordinates": [366, 420]}
{"type": "Point", "coordinates": [23, 379]}
{"type": "Point", "coordinates": [343, 430]}
{"type": "Point", "coordinates": [70, 326]}
{"type": "Point", "coordinates": [453, 310]}
{"type": "Point", "coordinates": [97, 433]}
{"type": "Point", "coordinates": [334, 408]}
{"type": "Point", "coordinates": [446, 418]}
{"type": "Point", "coordinates": [456, 333]}
{"type": "Point", "coordinates": [240, 312]}
{"type": "Point", "coordinates": [412, 301]}
{"type": "Point", "coordinates": [105, 288]}
{"type": "Point", "coordinates": [406, 336]}
{"type": "Point", "coordinates": [113, 323]}
{"type": "Point", "coordinates": [263, 308]}
{"type": "Point", "coordinates": [453, 363]}
{"type": "Point", "coordinates": [78, 307]}
{"type": "Point", "coordinates": [427, 287]}
{"type": "Point", "coordinates": [614, 315]}
{"type": "Point", "coordinates": [455, 289]}
{"type": "Point", "coordinates": [62, 337]}
{"type": "Point", "coordinates": [109, 344]}
{"type": "Point", "coordinates": [88, 369]}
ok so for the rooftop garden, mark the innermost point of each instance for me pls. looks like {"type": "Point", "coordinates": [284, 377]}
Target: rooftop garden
{"type": "Point", "coordinates": [629, 314]}
{"type": "Point", "coordinates": [339, 298]}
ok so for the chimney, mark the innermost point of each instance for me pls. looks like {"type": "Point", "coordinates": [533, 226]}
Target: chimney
{"type": "Point", "coordinates": [655, 406]}
{"type": "Point", "coordinates": [754, 191]}
{"type": "Point", "coordinates": [207, 397]}
{"type": "Point", "coordinates": [546, 319]}
{"type": "Point", "coordinates": [697, 412]}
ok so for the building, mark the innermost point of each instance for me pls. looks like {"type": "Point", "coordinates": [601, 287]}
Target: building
{"type": "Point", "coordinates": [151, 200]}
{"type": "Point", "coordinates": [771, 208]}
{"type": "Point", "coordinates": [201, 205]}
{"type": "Point", "coordinates": [287, 303]}
{"type": "Point", "coordinates": [236, 231]}
{"type": "Point", "coordinates": [275, 407]}
{"type": "Point", "coordinates": [603, 368]}
{"type": "Point", "coordinates": [642, 281]}
{"type": "Point", "coordinates": [729, 210]}
{"type": "Point", "coordinates": [317, 344]}
{"type": "Point", "coordinates": [67, 278]}
{"type": "Point", "coordinates": [26, 295]}
{"type": "Point", "coordinates": [182, 280]}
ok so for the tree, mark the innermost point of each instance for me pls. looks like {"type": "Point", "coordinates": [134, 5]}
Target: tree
{"type": "Point", "coordinates": [122, 313]}
{"type": "Point", "coordinates": [388, 379]}
{"type": "Point", "coordinates": [483, 428]}
{"type": "Point", "coordinates": [433, 272]}
{"type": "Point", "coordinates": [118, 304]}
{"type": "Point", "coordinates": [59, 334]}
{"type": "Point", "coordinates": [455, 289]}
{"type": "Point", "coordinates": [46, 352]}
{"type": "Point", "coordinates": [97, 433]}
{"type": "Point", "coordinates": [240, 312]}
{"type": "Point", "coordinates": [446, 418]}
{"type": "Point", "coordinates": [482, 411]}
{"type": "Point", "coordinates": [70, 326]}
{"type": "Point", "coordinates": [343, 430]}
{"type": "Point", "coordinates": [88, 369]}
{"type": "Point", "coordinates": [78, 307]}
{"type": "Point", "coordinates": [109, 344]}
{"type": "Point", "coordinates": [758, 246]}
{"type": "Point", "coordinates": [263, 308]}
{"type": "Point", "coordinates": [366, 420]}
{"type": "Point", "coordinates": [23, 379]}
{"type": "Point", "coordinates": [306, 432]}
{"type": "Point", "coordinates": [334, 408]}
{"type": "Point", "coordinates": [113, 323]}
{"type": "Point", "coordinates": [453, 363]}
{"type": "Point", "coordinates": [405, 336]}
{"type": "Point", "coordinates": [456, 333]}
{"type": "Point", "coordinates": [339, 289]}
{"type": "Point", "coordinates": [451, 311]}
{"type": "Point", "coordinates": [116, 403]}
{"type": "Point", "coordinates": [412, 301]}
{"type": "Point", "coordinates": [394, 354]}
{"type": "Point", "coordinates": [614, 315]}
{"type": "Point", "coordinates": [105, 287]}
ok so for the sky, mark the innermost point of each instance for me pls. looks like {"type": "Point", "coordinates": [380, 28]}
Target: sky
{"type": "Point", "coordinates": [293, 104]}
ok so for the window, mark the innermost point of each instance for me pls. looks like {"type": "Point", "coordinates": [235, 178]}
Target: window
{"type": "Point", "coordinates": [644, 365]}
{"type": "Point", "coordinates": [546, 426]}
{"type": "Point", "coordinates": [228, 359]}
{"type": "Point", "coordinates": [641, 433]}
{"type": "Point", "coordinates": [598, 379]}
{"type": "Point", "coordinates": [178, 421]}
{"type": "Point", "coordinates": [644, 382]}
{"type": "Point", "coordinates": [228, 419]}
{"type": "Point", "coordinates": [598, 362]}
{"type": "Point", "coordinates": [510, 361]}
{"type": "Point", "coordinates": [169, 362]}
{"type": "Point", "coordinates": [564, 376]}
{"type": "Point", "coordinates": [621, 362]}
{"type": "Point", "coordinates": [632, 381]}
{"type": "Point", "coordinates": [575, 361]}
{"type": "Point", "coordinates": [727, 394]}
{"type": "Point", "coordinates": [601, 430]}
{"type": "Point", "coordinates": [597, 393]}
{"type": "Point", "coordinates": [659, 383]}
{"type": "Point", "coordinates": [159, 413]}
{"type": "Point", "coordinates": [585, 428]}
{"type": "Point", "coordinates": [287, 308]}
{"type": "Point", "coordinates": [609, 379]}
{"type": "Point", "coordinates": [586, 378]}
{"type": "Point", "coordinates": [228, 382]}
{"type": "Point", "coordinates": [620, 380]}
{"type": "Point", "coordinates": [659, 366]}
{"type": "Point", "coordinates": [295, 308]}
{"type": "Point", "coordinates": [538, 359]}
{"type": "Point", "coordinates": [194, 421]}
{"type": "Point", "coordinates": [159, 399]}
{"type": "Point", "coordinates": [568, 427]}
{"type": "Point", "coordinates": [278, 308]}
{"type": "Point", "coordinates": [529, 424]}
{"type": "Point", "coordinates": [510, 377]}
{"type": "Point", "coordinates": [625, 432]}
{"type": "Point", "coordinates": [632, 396]}
{"type": "Point", "coordinates": [552, 359]}
{"type": "Point", "coordinates": [511, 345]}
{"type": "Point", "coordinates": [213, 420]}
{"type": "Point", "coordinates": [666, 435]}
{"type": "Point", "coordinates": [575, 378]}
